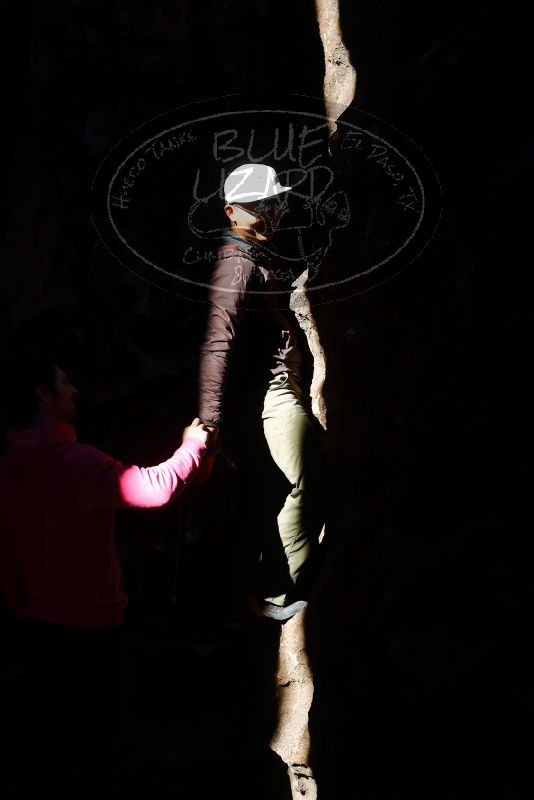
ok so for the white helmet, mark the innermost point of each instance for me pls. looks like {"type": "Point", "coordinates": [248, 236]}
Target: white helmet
{"type": "Point", "coordinates": [252, 182]}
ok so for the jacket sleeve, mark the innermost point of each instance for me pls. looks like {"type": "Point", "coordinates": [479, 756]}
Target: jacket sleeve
{"type": "Point", "coordinates": [230, 278]}
{"type": "Point", "coordinates": [104, 481]}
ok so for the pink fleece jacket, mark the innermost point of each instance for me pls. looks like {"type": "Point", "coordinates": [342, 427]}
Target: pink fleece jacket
{"type": "Point", "coordinates": [58, 558]}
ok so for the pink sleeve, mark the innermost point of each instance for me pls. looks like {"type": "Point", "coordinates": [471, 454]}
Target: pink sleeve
{"type": "Point", "coordinates": [108, 482]}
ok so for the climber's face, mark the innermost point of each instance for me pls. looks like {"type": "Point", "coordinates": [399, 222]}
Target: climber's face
{"type": "Point", "coordinates": [256, 220]}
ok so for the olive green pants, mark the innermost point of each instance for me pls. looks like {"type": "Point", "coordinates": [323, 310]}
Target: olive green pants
{"type": "Point", "coordinates": [294, 445]}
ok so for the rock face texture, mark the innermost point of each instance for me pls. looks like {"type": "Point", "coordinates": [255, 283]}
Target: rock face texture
{"type": "Point", "coordinates": [418, 634]}
{"type": "Point", "coordinates": [301, 307]}
{"type": "Point", "coordinates": [339, 86]}
{"type": "Point", "coordinates": [294, 684]}
{"type": "Point", "coordinates": [291, 739]}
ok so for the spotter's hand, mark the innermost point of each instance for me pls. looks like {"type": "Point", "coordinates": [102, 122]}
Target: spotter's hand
{"type": "Point", "coordinates": [197, 430]}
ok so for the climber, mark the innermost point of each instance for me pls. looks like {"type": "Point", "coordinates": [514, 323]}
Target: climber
{"type": "Point", "coordinates": [254, 204]}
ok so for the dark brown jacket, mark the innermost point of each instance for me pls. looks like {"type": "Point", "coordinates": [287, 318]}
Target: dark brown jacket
{"type": "Point", "coordinates": [242, 298]}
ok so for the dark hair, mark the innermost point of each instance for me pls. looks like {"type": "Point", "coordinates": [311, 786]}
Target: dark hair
{"type": "Point", "coordinates": [23, 375]}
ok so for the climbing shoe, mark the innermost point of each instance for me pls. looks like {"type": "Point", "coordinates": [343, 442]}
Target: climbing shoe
{"type": "Point", "coordinates": [268, 610]}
